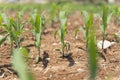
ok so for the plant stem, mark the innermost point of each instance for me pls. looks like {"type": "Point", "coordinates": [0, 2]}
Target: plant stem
{"type": "Point", "coordinates": [38, 51]}
{"type": "Point", "coordinates": [63, 49]}
{"type": "Point", "coordinates": [103, 40]}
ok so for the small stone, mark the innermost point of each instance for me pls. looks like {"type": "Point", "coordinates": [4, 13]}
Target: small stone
{"type": "Point", "coordinates": [51, 76]}
{"type": "Point", "coordinates": [54, 44]}
{"type": "Point", "coordinates": [64, 78]}
{"type": "Point", "coordinates": [37, 69]}
{"type": "Point", "coordinates": [80, 70]}
{"type": "Point", "coordinates": [34, 65]}
{"type": "Point", "coordinates": [48, 59]}
{"type": "Point", "coordinates": [106, 44]}
{"type": "Point", "coordinates": [76, 62]}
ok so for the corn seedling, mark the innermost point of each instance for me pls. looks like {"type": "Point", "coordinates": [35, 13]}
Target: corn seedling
{"type": "Point", "coordinates": [87, 25]}
{"type": "Point", "coordinates": [91, 49]}
{"type": "Point", "coordinates": [105, 20]}
{"type": "Point", "coordinates": [19, 64]}
{"type": "Point", "coordinates": [62, 32]}
{"type": "Point", "coordinates": [13, 30]}
{"type": "Point", "coordinates": [17, 29]}
{"type": "Point", "coordinates": [63, 20]}
{"type": "Point", "coordinates": [38, 24]}
{"type": "Point", "coordinates": [8, 28]}
{"type": "Point", "coordinates": [89, 34]}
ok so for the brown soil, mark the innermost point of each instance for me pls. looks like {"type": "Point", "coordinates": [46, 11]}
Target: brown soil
{"type": "Point", "coordinates": [65, 69]}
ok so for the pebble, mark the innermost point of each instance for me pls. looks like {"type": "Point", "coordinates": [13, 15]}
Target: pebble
{"type": "Point", "coordinates": [106, 44]}
{"type": "Point", "coordinates": [80, 70]}
{"type": "Point", "coordinates": [54, 44]}
{"type": "Point", "coordinates": [34, 66]}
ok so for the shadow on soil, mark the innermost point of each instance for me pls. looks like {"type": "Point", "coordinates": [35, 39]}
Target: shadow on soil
{"type": "Point", "coordinates": [5, 68]}
{"type": "Point", "coordinates": [45, 59]}
{"type": "Point", "coordinates": [69, 58]}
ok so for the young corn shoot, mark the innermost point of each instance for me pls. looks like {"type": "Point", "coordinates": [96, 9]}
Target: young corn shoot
{"type": "Point", "coordinates": [105, 20]}
{"type": "Point", "coordinates": [63, 26]}
{"type": "Point", "coordinates": [88, 23]}
{"type": "Point", "coordinates": [62, 33]}
{"type": "Point", "coordinates": [13, 30]}
{"type": "Point", "coordinates": [89, 34]}
{"type": "Point", "coordinates": [91, 48]}
{"type": "Point", "coordinates": [17, 30]}
{"type": "Point", "coordinates": [38, 23]}
{"type": "Point", "coordinates": [20, 65]}
{"type": "Point", "coordinates": [8, 29]}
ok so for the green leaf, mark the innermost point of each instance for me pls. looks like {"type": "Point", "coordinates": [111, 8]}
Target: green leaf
{"type": "Point", "coordinates": [62, 14]}
{"type": "Point", "coordinates": [105, 14]}
{"type": "Point", "coordinates": [102, 29]}
{"type": "Point", "coordinates": [55, 33]}
{"type": "Point", "coordinates": [92, 50]}
{"type": "Point", "coordinates": [63, 22]}
{"type": "Point", "coordinates": [57, 49]}
{"type": "Point", "coordinates": [0, 19]}
{"type": "Point", "coordinates": [38, 40]}
{"type": "Point", "coordinates": [6, 28]}
{"type": "Point", "coordinates": [7, 21]}
{"type": "Point", "coordinates": [2, 39]}
{"type": "Point", "coordinates": [13, 23]}
{"type": "Point", "coordinates": [109, 17]}
{"type": "Point", "coordinates": [20, 66]}
{"type": "Point", "coordinates": [37, 24]}
{"type": "Point", "coordinates": [24, 51]}
{"type": "Point", "coordinates": [88, 26]}
{"type": "Point", "coordinates": [19, 14]}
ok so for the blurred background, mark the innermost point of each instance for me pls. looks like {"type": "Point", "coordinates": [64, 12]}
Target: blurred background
{"type": "Point", "coordinates": [46, 1]}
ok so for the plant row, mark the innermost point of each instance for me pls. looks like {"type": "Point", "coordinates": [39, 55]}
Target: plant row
{"type": "Point", "coordinates": [13, 28]}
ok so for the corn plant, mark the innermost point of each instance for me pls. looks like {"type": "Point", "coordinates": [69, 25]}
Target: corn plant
{"type": "Point", "coordinates": [13, 30]}
{"type": "Point", "coordinates": [105, 20]}
{"type": "Point", "coordinates": [38, 24]}
{"type": "Point", "coordinates": [17, 29]}
{"type": "Point", "coordinates": [89, 34]}
{"type": "Point", "coordinates": [62, 33]}
{"type": "Point", "coordinates": [8, 29]}
{"type": "Point", "coordinates": [87, 25]}
{"type": "Point", "coordinates": [20, 65]}
{"type": "Point", "coordinates": [91, 48]}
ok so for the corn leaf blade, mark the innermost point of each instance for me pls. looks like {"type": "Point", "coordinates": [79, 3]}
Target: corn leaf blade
{"type": "Point", "coordinates": [20, 66]}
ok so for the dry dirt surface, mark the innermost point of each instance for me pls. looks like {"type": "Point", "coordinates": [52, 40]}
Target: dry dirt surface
{"type": "Point", "coordinates": [73, 68]}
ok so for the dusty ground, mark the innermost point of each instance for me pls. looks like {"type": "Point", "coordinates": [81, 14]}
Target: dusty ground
{"type": "Point", "coordinates": [64, 69]}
